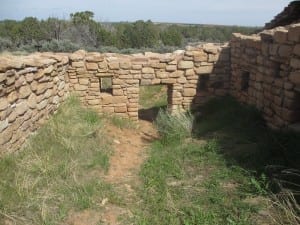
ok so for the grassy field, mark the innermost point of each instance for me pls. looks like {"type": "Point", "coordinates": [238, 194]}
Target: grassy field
{"type": "Point", "coordinates": [55, 173]}
{"type": "Point", "coordinates": [215, 170]}
{"type": "Point", "coordinates": [221, 167]}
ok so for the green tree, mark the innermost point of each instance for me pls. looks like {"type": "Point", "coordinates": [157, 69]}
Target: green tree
{"type": "Point", "coordinates": [82, 17]}
{"type": "Point", "coordinates": [171, 36]}
{"type": "Point", "coordinates": [30, 30]}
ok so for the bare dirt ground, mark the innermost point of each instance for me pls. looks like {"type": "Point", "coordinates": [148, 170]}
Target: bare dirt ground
{"type": "Point", "coordinates": [129, 154]}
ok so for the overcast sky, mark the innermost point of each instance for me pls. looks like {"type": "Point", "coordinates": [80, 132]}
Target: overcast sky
{"type": "Point", "coordinates": [229, 12]}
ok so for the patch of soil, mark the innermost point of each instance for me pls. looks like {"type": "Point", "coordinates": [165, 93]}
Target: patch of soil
{"type": "Point", "coordinates": [128, 155]}
{"type": "Point", "coordinates": [129, 151]}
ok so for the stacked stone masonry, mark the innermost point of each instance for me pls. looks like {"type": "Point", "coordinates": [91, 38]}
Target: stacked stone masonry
{"type": "Point", "coordinates": [266, 73]}
{"type": "Point", "coordinates": [261, 70]}
{"type": "Point", "coordinates": [180, 71]}
{"type": "Point", "coordinates": [32, 87]}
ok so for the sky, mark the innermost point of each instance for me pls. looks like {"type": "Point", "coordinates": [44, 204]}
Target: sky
{"type": "Point", "coordinates": [226, 12]}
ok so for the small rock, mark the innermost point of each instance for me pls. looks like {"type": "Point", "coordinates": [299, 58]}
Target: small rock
{"type": "Point", "coordinates": [104, 201]}
{"type": "Point", "coordinates": [117, 142]}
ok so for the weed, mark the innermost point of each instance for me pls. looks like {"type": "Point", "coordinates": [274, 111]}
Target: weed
{"type": "Point", "coordinates": [175, 126]}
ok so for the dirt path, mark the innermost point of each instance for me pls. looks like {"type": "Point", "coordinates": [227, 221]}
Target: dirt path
{"type": "Point", "coordinates": [129, 154]}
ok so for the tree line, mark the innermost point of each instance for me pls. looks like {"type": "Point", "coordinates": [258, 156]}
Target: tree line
{"type": "Point", "coordinates": [82, 31]}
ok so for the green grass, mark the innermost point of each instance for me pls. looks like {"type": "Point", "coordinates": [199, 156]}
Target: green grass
{"type": "Point", "coordinates": [153, 96]}
{"type": "Point", "coordinates": [121, 122]}
{"type": "Point", "coordinates": [55, 172]}
{"type": "Point", "coordinates": [216, 177]}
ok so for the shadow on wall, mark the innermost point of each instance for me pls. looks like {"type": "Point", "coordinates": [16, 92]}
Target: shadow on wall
{"type": "Point", "coordinates": [213, 75]}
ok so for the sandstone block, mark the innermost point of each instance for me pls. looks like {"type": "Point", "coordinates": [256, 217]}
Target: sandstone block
{"type": "Point", "coordinates": [79, 87]}
{"type": "Point", "coordinates": [42, 104]}
{"type": "Point", "coordinates": [185, 65]}
{"type": "Point", "coordinates": [132, 90]}
{"type": "Point", "coordinates": [133, 109]}
{"type": "Point", "coordinates": [213, 57]}
{"type": "Point", "coordinates": [295, 77]}
{"type": "Point", "coordinates": [3, 104]}
{"type": "Point", "coordinates": [162, 74]}
{"type": "Point", "coordinates": [168, 81]}
{"type": "Point", "coordinates": [5, 136]}
{"type": "Point", "coordinates": [93, 102]}
{"type": "Point", "coordinates": [108, 109]}
{"type": "Point", "coordinates": [189, 72]}
{"type": "Point", "coordinates": [136, 67]}
{"type": "Point", "coordinates": [113, 99]}
{"type": "Point", "coordinates": [3, 124]}
{"type": "Point", "coordinates": [32, 101]}
{"type": "Point", "coordinates": [41, 88]}
{"type": "Point", "coordinates": [91, 66]}
{"type": "Point", "coordinates": [21, 108]}
{"type": "Point", "coordinates": [147, 70]}
{"type": "Point", "coordinates": [176, 74]}
{"type": "Point", "coordinates": [12, 97]}
{"type": "Point", "coordinates": [155, 81]}
{"type": "Point", "coordinates": [158, 65]}
{"type": "Point", "coordinates": [24, 91]}
{"type": "Point", "coordinates": [120, 109]}
{"type": "Point", "coordinates": [12, 117]}
{"type": "Point", "coordinates": [83, 81]}
{"type": "Point", "coordinates": [204, 70]}
{"type": "Point", "coordinates": [171, 68]}
{"type": "Point", "coordinates": [182, 80]}
{"type": "Point", "coordinates": [29, 77]}
{"type": "Point", "coordinates": [200, 58]}
{"type": "Point", "coordinates": [148, 76]}
{"type": "Point", "coordinates": [102, 65]}
{"type": "Point", "coordinates": [61, 85]}
{"type": "Point", "coordinates": [295, 63]}
{"type": "Point", "coordinates": [2, 77]}
{"type": "Point", "coordinates": [285, 51]}
{"type": "Point", "coordinates": [294, 33]}
{"type": "Point", "coordinates": [94, 58]}
{"type": "Point", "coordinates": [145, 82]}
{"type": "Point", "coordinates": [125, 65]}
{"type": "Point", "coordinates": [49, 69]}
{"type": "Point", "coordinates": [55, 100]}
{"type": "Point", "coordinates": [118, 92]}
{"type": "Point", "coordinates": [280, 36]}
{"type": "Point", "coordinates": [296, 50]}
{"type": "Point", "coordinates": [78, 64]}
{"type": "Point", "coordinates": [114, 65]}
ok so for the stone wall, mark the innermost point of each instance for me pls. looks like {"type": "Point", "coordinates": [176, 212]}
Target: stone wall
{"type": "Point", "coordinates": [266, 73]}
{"type": "Point", "coordinates": [192, 76]}
{"type": "Point", "coordinates": [31, 88]}
{"type": "Point", "coordinates": [289, 15]}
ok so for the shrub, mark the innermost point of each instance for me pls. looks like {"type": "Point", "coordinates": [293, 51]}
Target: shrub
{"type": "Point", "coordinates": [59, 46]}
{"type": "Point", "coordinates": [179, 125]}
{"type": "Point", "coordinates": [5, 44]}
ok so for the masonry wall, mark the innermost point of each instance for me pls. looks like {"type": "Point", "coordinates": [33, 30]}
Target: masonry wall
{"type": "Point", "coordinates": [266, 73]}
{"type": "Point", "coordinates": [31, 88]}
{"type": "Point", "coordinates": [192, 77]}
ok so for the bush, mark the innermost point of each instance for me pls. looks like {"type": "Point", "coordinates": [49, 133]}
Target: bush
{"type": "Point", "coordinates": [5, 44]}
{"type": "Point", "coordinates": [59, 46]}
{"type": "Point", "coordinates": [179, 125]}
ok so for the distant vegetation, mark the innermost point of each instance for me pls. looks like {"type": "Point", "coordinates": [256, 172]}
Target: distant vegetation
{"type": "Point", "coordinates": [82, 31]}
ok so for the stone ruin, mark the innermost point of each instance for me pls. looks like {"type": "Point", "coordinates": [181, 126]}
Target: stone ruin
{"type": "Point", "coordinates": [261, 70]}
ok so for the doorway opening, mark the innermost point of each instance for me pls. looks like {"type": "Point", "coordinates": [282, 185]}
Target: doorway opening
{"type": "Point", "coordinates": [151, 100]}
